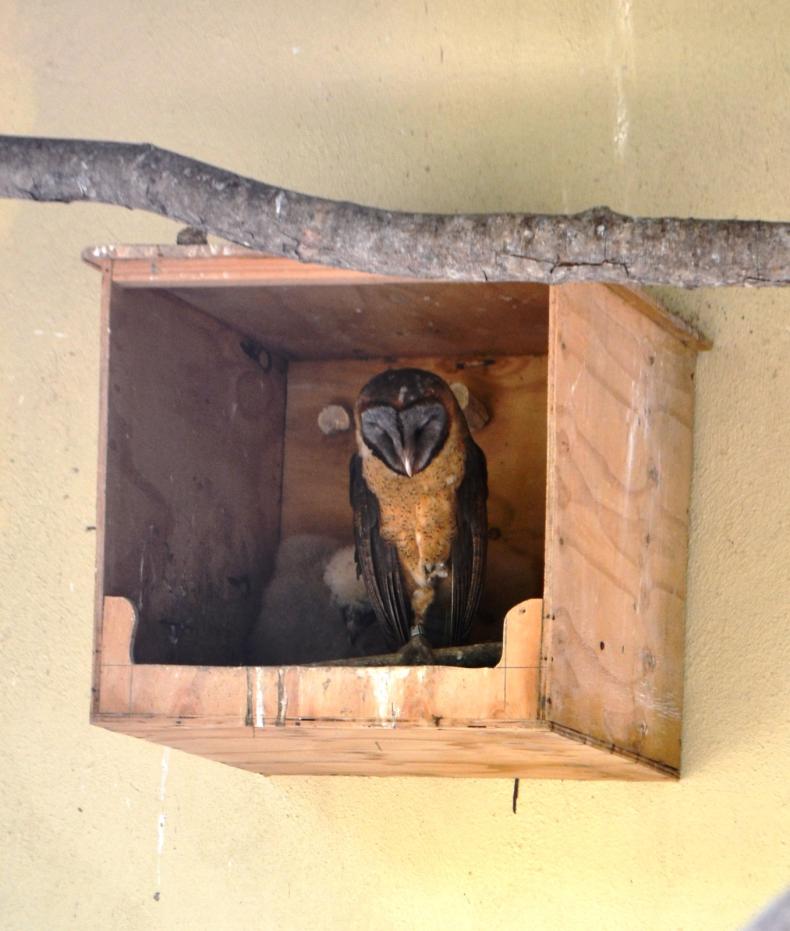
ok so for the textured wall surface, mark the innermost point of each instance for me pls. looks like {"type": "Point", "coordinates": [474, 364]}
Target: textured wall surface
{"type": "Point", "coordinates": [649, 106]}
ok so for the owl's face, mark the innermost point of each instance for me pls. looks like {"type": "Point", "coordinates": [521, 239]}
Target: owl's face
{"type": "Point", "coordinates": [403, 418]}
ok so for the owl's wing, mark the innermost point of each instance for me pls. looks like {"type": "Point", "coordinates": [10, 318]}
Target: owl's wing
{"type": "Point", "coordinates": [468, 556]}
{"type": "Point", "coordinates": [377, 560]}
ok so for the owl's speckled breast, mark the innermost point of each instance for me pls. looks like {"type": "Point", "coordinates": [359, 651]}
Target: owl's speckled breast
{"type": "Point", "coordinates": [418, 513]}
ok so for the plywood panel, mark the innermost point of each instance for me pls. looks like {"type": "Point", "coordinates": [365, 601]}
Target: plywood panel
{"type": "Point", "coordinates": [192, 466]}
{"type": "Point", "coordinates": [620, 443]}
{"type": "Point", "coordinates": [305, 311]}
{"type": "Point", "coordinates": [112, 677]}
{"type": "Point", "coordinates": [368, 320]}
{"type": "Point", "coordinates": [513, 389]}
{"type": "Point", "coordinates": [101, 477]}
{"type": "Point", "coordinates": [530, 751]}
{"type": "Point", "coordinates": [271, 720]}
{"type": "Point", "coordinates": [275, 696]}
{"type": "Point", "coordinates": [166, 265]}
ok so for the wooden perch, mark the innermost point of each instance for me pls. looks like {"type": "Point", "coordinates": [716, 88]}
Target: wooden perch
{"type": "Point", "coordinates": [471, 656]}
{"type": "Point", "coordinates": [596, 245]}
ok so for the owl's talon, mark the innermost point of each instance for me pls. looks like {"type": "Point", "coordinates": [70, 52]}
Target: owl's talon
{"type": "Point", "coordinates": [418, 490]}
{"type": "Point", "coordinates": [417, 652]}
{"type": "Point", "coordinates": [435, 571]}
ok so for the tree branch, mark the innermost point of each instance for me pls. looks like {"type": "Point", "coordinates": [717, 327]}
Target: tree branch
{"type": "Point", "coordinates": [596, 245]}
{"type": "Point", "coordinates": [471, 656]}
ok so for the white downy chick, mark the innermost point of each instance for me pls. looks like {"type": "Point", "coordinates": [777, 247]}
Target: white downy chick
{"type": "Point", "coordinates": [349, 594]}
{"type": "Point", "coordinates": [314, 608]}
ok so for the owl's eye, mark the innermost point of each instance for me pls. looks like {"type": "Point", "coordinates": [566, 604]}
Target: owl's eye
{"type": "Point", "coordinates": [381, 433]}
{"type": "Point", "coordinates": [424, 427]}
{"type": "Point", "coordinates": [406, 441]}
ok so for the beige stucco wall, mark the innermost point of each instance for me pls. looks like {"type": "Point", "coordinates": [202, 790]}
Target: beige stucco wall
{"type": "Point", "coordinates": [650, 106]}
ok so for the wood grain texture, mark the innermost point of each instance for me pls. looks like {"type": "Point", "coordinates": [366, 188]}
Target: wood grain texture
{"type": "Point", "coordinates": [527, 752]}
{"type": "Point", "coordinates": [513, 389]}
{"type": "Point", "coordinates": [170, 266]}
{"type": "Point", "coordinates": [620, 445]}
{"type": "Point", "coordinates": [302, 720]}
{"type": "Point", "coordinates": [644, 304]}
{"type": "Point", "coordinates": [207, 267]}
{"type": "Point", "coordinates": [336, 721]}
{"type": "Point", "coordinates": [369, 319]}
{"type": "Point", "coordinates": [521, 659]}
{"type": "Point", "coordinates": [192, 507]}
{"type": "Point", "coordinates": [193, 459]}
{"type": "Point", "coordinates": [269, 696]}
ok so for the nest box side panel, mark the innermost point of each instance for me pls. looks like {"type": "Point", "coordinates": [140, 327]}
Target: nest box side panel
{"type": "Point", "coordinates": [619, 473]}
{"type": "Point", "coordinates": [193, 465]}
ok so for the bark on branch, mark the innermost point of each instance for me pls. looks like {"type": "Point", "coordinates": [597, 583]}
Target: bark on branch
{"type": "Point", "coordinates": [471, 656]}
{"type": "Point", "coordinates": [594, 245]}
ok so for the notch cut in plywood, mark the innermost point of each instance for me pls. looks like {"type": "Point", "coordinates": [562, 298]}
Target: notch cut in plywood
{"type": "Point", "coordinates": [382, 696]}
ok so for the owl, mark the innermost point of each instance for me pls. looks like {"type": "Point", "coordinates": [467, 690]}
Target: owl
{"type": "Point", "coordinates": [418, 493]}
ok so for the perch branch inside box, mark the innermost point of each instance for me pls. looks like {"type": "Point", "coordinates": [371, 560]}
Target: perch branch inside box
{"type": "Point", "coordinates": [471, 656]}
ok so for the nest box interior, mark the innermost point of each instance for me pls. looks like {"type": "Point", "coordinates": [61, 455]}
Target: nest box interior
{"type": "Point", "coordinates": [216, 365]}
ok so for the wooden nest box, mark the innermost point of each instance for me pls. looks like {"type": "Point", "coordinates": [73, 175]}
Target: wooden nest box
{"type": "Point", "coordinates": [216, 363]}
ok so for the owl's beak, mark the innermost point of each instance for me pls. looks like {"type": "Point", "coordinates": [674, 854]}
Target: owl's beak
{"type": "Point", "coordinates": [410, 452]}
